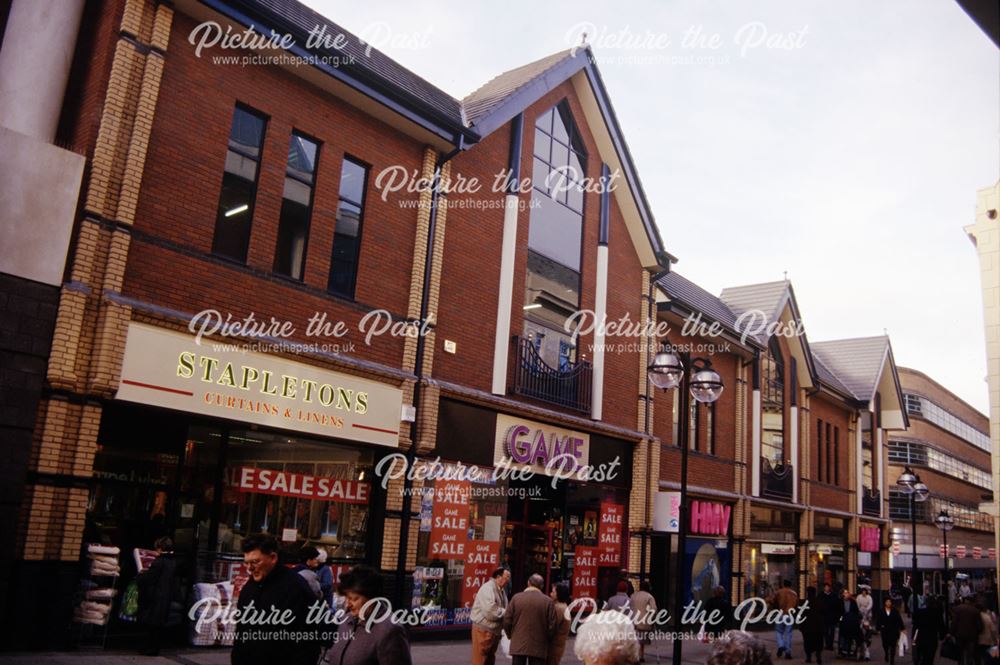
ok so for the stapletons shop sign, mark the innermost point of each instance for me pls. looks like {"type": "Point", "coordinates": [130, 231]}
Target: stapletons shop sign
{"type": "Point", "coordinates": [171, 370]}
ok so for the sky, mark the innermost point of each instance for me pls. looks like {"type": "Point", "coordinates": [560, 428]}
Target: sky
{"type": "Point", "coordinates": [840, 142]}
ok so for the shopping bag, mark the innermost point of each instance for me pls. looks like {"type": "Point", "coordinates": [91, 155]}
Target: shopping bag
{"type": "Point", "coordinates": [902, 645]}
{"type": "Point", "coordinates": [505, 645]}
{"type": "Point", "coordinates": [130, 602]}
{"type": "Point", "coordinates": [949, 649]}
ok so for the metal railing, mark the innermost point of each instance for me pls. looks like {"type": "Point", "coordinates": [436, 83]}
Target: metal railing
{"type": "Point", "coordinates": [533, 377]}
{"type": "Point", "coordinates": [776, 480]}
{"type": "Point", "coordinates": [871, 502]}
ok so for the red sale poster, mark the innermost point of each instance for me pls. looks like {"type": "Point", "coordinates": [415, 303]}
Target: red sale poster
{"type": "Point", "coordinates": [482, 557]}
{"type": "Point", "coordinates": [450, 520]}
{"type": "Point", "coordinates": [612, 525]}
{"type": "Point", "coordinates": [585, 572]}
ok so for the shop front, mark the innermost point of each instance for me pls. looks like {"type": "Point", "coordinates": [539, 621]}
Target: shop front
{"type": "Point", "coordinates": [827, 554]}
{"type": "Point", "coordinates": [708, 555]}
{"type": "Point", "coordinates": [546, 500]}
{"type": "Point", "coordinates": [210, 446]}
{"type": "Point", "coordinates": [770, 551]}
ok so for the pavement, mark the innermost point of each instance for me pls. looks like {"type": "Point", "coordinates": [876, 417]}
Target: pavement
{"type": "Point", "coordinates": [454, 652]}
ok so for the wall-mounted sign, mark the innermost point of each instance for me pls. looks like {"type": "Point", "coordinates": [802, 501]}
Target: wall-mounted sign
{"type": "Point", "coordinates": [170, 369]}
{"type": "Point", "coordinates": [870, 538]}
{"type": "Point", "coordinates": [977, 552]}
{"type": "Point", "coordinates": [992, 553]}
{"type": "Point", "coordinates": [450, 520]}
{"type": "Point", "coordinates": [710, 519]}
{"type": "Point", "coordinates": [783, 549]}
{"type": "Point", "coordinates": [612, 524]}
{"type": "Point", "coordinates": [667, 512]}
{"type": "Point", "coordinates": [524, 443]}
{"type": "Point", "coordinates": [960, 551]}
{"type": "Point", "coordinates": [943, 551]}
{"type": "Point", "coordinates": [302, 486]}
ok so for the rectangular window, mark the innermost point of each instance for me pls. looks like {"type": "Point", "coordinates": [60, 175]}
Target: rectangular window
{"type": "Point", "coordinates": [296, 207]}
{"type": "Point", "coordinates": [347, 236]}
{"type": "Point", "coordinates": [693, 425]}
{"type": "Point", "coordinates": [836, 455]}
{"type": "Point", "coordinates": [710, 421]}
{"type": "Point", "coordinates": [829, 461]}
{"type": "Point", "coordinates": [239, 185]}
{"type": "Point", "coordinates": [819, 450]}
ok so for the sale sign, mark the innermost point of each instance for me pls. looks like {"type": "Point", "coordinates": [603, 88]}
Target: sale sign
{"type": "Point", "coordinates": [871, 537]}
{"type": "Point", "coordinates": [450, 520]}
{"type": "Point", "coordinates": [992, 552]}
{"type": "Point", "coordinates": [943, 551]}
{"type": "Point", "coordinates": [585, 572]}
{"type": "Point", "coordinates": [482, 557]}
{"type": "Point", "coordinates": [977, 552]}
{"type": "Point", "coordinates": [960, 551]}
{"type": "Point", "coordinates": [301, 486]}
{"type": "Point", "coordinates": [612, 524]}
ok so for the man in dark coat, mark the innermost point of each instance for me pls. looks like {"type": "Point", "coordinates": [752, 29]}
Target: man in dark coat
{"type": "Point", "coordinates": [890, 625]}
{"type": "Point", "coordinates": [966, 624]}
{"type": "Point", "coordinates": [813, 626]}
{"type": "Point", "coordinates": [928, 629]}
{"type": "Point", "coordinates": [531, 621]}
{"type": "Point", "coordinates": [831, 610]}
{"type": "Point", "coordinates": [271, 591]}
{"type": "Point", "coordinates": [156, 591]}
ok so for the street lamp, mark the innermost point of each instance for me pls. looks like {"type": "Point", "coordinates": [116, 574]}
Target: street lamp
{"type": "Point", "coordinates": [946, 523]}
{"type": "Point", "coordinates": [667, 371]}
{"type": "Point", "coordinates": [909, 483]}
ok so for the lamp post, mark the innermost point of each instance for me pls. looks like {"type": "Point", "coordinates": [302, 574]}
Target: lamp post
{"type": "Point", "coordinates": [946, 523]}
{"type": "Point", "coordinates": [704, 384]}
{"type": "Point", "coordinates": [909, 483]}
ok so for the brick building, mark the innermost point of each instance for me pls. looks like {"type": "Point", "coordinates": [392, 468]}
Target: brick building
{"type": "Point", "coordinates": [948, 446]}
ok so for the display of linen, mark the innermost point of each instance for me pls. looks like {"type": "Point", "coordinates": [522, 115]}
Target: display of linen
{"type": "Point", "coordinates": [217, 632]}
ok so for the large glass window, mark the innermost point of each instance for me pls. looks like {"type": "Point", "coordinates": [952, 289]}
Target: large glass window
{"type": "Point", "coordinates": [555, 233]}
{"type": "Point", "coordinates": [296, 207]}
{"type": "Point", "coordinates": [920, 406]}
{"type": "Point", "coordinates": [921, 454]}
{"type": "Point", "coordinates": [773, 405]}
{"type": "Point", "coordinates": [239, 185]}
{"type": "Point", "coordinates": [347, 237]}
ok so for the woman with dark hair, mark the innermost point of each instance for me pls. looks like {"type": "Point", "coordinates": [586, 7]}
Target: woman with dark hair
{"type": "Point", "coordinates": [560, 594]}
{"type": "Point", "coordinates": [813, 627]}
{"type": "Point", "coordinates": [361, 640]}
{"type": "Point", "coordinates": [156, 591]}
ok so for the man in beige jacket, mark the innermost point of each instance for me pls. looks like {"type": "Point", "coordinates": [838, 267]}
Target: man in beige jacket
{"type": "Point", "coordinates": [487, 617]}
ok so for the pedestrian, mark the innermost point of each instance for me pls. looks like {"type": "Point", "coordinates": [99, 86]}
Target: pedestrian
{"type": "Point", "coordinates": [928, 630]}
{"type": "Point", "coordinates": [865, 603]}
{"type": "Point", "coordinates": [560, 596]}
{"type": "Point", "coordinates": [369, 636]}
{"type": "Point", "coordinates": [620, 600]}
{"type": "Point", "coordinates": [307, 567]}
{"type": "Point", "coordinates": [273, 591]}
{"type": "Point", "coordinates": [607, 638]}
{"type": "Point", "coordinates": [889, 624]}
{"type": "Point", "coordinates": [988, 635]}
{"type": "Point", "coordinates": [831, 609]}
{"type": "Point", "coordinates": [719, 603]}
{"type": "Point", "coordinates": [965, 591]}
{"type": "Point", "coordinates": [530, 622]}
{"type": "Point", "coordinates": [966, 625]}
{"type": "Point", "coordinates": [851, 624]}
{"type": "Point", "coordinates": [739, 648]}
{"type": "Point", "coordinates": [643, 607]}
{"type": "Point", "coordinates": [813, 626]}
{"type": "Point", "coordinates": [785, 600]}
{"type": "Point", "coordinates": [325, 576]}
{"type": "Point", "coordinates": [156, 591]}
{"type": "Point", "coordinates": [487, 617]}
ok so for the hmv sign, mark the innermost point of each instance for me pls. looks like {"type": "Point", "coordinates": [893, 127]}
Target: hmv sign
{"type": "Point", "coordinates": [710, 519]}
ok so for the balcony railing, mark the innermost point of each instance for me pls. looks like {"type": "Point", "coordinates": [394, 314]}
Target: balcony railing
{"type": "Point", "coordinates": [533, 377]}
{"type": "Point", "coordinates": [871, 502]}
{"type": "Point", "coordinates": [776, 480]}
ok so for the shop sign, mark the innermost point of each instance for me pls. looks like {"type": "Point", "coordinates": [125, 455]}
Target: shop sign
{"type": "Point", "coordinates": [542, 448]}
{"type": "Point", "coordinates": [783, 549]}
{"type": "Point", "coordinates": [977, 552]}
{"type": "Point", "coordinates": [943, 551]}
{"type": "Point", "coordinates": [824, 549]}
{"type": "Point", "coordinates": [450, 520]}
{"type": "Point", "coordinates": [302, 486]}
{"type": "Point", "coordinates": [481, 559]}
{"type": "Point", "coordinates": [667, 512]}
{"type": "Point", "coordinates": [960, 551]}
{"type": "Point", "coordinates": [585, 572]}
{"type": "Point", "coordinates": [612, 522]}
{"type": "Point", "coordinates": [871, 538]}
{"type": "Point", "coordinates": [992, 553]}
{"type": "Point", "coordinates": [710, 519]}
{"type": "Point", "coordinates": [171, 370]}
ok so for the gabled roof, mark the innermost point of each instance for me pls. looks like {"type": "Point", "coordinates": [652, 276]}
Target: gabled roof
{"type": "Point", "coordinates": [769, 298]}
{"type": "Point", "coordinates": [482, 102]}
{"type": "Point", "coordinates": [697, 299]}
{"type": "Point", "coordinates": [828, 378]}
{"type": "Point", "coordinates": [856, 362]}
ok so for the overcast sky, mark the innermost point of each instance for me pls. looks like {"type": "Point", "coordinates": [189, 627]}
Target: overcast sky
{"type": "Point", "coordinates": [850, 160]}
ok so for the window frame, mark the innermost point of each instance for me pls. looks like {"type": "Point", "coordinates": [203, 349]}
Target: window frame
{"type": "Point", "coordinates": [309, 208]}
{"type": "Point", "coordinates": [366, 167]}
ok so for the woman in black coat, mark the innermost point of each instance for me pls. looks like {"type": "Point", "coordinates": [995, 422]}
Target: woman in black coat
{"type": "Point", "coordinates": [156, 591]}
{"type": "Point", "coordinates": [928, 629]}
{"type": "Point", "coordinates": [890, 626]}
{"type": "Point", "coordinates": [812, 627]}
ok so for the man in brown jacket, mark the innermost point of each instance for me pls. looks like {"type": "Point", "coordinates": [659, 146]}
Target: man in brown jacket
{"type": "Point", "coordinates": [785, 599]}
{"type": "Point", "coordinates": [530, 622]}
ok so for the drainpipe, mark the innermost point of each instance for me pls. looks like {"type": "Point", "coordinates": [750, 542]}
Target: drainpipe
{"type": "Point", "coordinates": [411, 454]}
{"type": "Point", "coordinates": [755, 428]}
